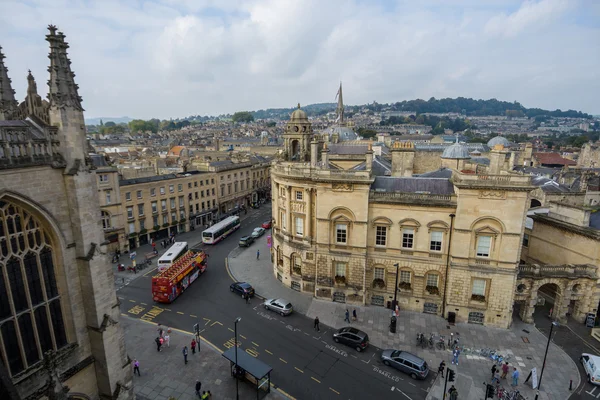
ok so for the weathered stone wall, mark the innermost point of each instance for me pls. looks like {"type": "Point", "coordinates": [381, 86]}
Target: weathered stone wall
{"type": "Point", "coordinates": [589, 157]}
{"type": "Point", "coordinates": [426, 161]}
{"type": "Point", "coordinates": [552, 245]}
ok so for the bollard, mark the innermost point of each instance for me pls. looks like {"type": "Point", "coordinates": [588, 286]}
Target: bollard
{"type": "Point", "coordinates": [571, 385]}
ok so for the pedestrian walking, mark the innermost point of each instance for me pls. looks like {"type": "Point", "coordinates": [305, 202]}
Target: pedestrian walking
{"type": "Point", "coordinates": [347, 317]}
{"type": "Point", "coordinates": [354, 317]}
{"type": "Point", "coordinates": [198, 387]}
{"type": "Point", "coordinates": [317, 327]}
{"type": "Point", "coordinates": [158, 343]}
{"type": "Point", "coordinates": [495, 379]}
{"type": "Point", "coordinates": [204, 396]}
{"type": "Point", "coordinates": [453, 393]}
{"type": "Point", "coordinates": [257, 254]}
{"type": "Point", "coordinates": [494, 369]}
{"type": "Point", "coordinates": [185, 353]}
{"type": "Point", "coordinates": [136, 367]}
{"type": "Point", "coordinates": [504, 370]}
{"type": "Point", "coordinates": [441, 368]}
{"type": "Point", "coordinates": [162, 341]}
{"type": "Point", "coordinates": [455, 355]}
{"type": "Point", "coordinates": [167, 340]}
{"type": "Point", "coordinates": [247, 297]}
{"type": "Point", "coordinates": [193, 345]}
{"type": "Point", "coordinates": [515, 377]}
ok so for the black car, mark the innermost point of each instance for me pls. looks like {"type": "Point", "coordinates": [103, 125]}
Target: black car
{"type": "Point", "coordinates": [246, 241]}
{"type": "Point", "coordinates": [352, 337]}
{"type": "Point", "coordinates": [242, 288]}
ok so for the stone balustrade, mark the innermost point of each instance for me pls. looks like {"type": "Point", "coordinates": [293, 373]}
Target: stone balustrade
{"type": "Point", "coordinates": [421, 198]}
{"type": "Point", "coordinates": [491, 180]}
{"type": "Point", "coordinates": [304, 170]}
{"type": "Point", "coordinates": [538, 271]}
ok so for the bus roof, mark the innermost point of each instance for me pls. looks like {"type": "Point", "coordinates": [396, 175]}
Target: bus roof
{"type": "Point", "coordinates": [221, 224]}
{"type": "Point", "coordinates": [173, 251]}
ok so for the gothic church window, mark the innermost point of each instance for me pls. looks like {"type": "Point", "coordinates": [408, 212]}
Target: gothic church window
{"type": "Point", "coordinates": [31, 319]}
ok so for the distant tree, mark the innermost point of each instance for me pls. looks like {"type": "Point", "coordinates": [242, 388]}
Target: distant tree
{"type": "Point", "coordinates": [242, 116]}
{"type": "Point", "coordinates": [139, 125]}
{"type": "Point", "coordinates": [271, 124]}
{"type": "Point", "coordinates": [366, 133]}
{"type": "Point", "coordinates": [549, 143]}
{"type": "Point", "coordinates": [109, 124]}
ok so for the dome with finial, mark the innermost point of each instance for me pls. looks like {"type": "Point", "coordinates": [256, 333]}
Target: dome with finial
{"type": "Point", "coordinates": [299, 115]}
{"type": "Point", "coordinates": [498, 140]}
{"type": "Point", "coordinates": [457, 151]}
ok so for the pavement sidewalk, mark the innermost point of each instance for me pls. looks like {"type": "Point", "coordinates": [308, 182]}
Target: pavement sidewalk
{"type": "Point", "coordinates": [164, 374]}
{"type": "Point", "coordinates": [522, 342]}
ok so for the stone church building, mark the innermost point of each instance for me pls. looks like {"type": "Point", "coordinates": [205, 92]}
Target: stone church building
{"type": "Point", "coordinates": [59, 315]}
{"type": "Point", "coordinates": [354, 227]}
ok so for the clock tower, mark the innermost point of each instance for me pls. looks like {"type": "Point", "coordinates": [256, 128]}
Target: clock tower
{"type": "Point", "coordinates": [297, 137]}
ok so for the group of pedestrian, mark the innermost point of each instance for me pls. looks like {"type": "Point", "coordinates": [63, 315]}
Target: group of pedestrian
{"type": "Point", "coordinates": [165, 243]}
{"type": "Point", "coordinates": [116, 256]}
{"type": "Point", "coordinates": [347, 316]}
{"type": "Point", "coordinates": [163, 337]}
{"type": "Point", "coordinates": [505, 368]}
{"type": "Point", "coordinates": [205, 394]}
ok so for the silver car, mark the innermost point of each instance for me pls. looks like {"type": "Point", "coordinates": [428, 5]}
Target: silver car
{"type": "Point", "coordinates": [404, 361]}
{"type": "Point", "coordinates": [280, 306]}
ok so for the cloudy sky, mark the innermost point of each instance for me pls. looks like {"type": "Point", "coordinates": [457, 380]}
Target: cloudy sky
{"type": "Point", "coordinates": [173, 58]}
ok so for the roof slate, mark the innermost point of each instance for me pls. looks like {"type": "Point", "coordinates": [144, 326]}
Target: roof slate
{"type": "Point", "coordinates": [413, 185]}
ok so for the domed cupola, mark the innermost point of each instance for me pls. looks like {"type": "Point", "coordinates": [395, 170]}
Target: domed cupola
{"type": "Point", "coordinates": [498, 140]}
{"type": "Point", "coordinates": [297, 136]}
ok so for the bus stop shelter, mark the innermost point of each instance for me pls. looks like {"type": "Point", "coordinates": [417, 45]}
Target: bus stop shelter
{"type": "Point", "coordinates": [253, 370]}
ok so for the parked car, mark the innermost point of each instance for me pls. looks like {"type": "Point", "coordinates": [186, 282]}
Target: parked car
{"type": "Point", "coordinates": [242, 288]}
{"type": "Point", "coordinates": [591, 365]}
{"type": "Point", "coordinates": [266, 225]}
{"type": "Point", "coordinates": [258, 232]}
{"type": "Point", "coordinates": [352, 337]}
{"type": "Point", "coordinates": [246, 241]}
{"type": "Point", "coordinates": [280, 306]}
{"type": "Point", "coordinates": [406, 362]}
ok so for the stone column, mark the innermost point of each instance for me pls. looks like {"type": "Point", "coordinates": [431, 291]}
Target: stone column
{"type": "Point", "coordinates": [308, 234]}
{"type": "Point", "coordinates": [288, 208]}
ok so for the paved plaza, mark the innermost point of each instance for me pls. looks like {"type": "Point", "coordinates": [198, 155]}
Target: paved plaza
{"type": "Point", "coordinates": [523, 342]}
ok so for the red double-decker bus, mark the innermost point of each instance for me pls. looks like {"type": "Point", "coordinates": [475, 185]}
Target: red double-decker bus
{"type": "Point", "coordinates": [173, 281]}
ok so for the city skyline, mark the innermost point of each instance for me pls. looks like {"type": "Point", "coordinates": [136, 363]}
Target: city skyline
{"type": "Point", "coordinates": [166, 59]}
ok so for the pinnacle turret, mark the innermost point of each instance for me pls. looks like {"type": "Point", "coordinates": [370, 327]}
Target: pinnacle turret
{"type": "Point", "coordinates": [62, 90]}
{"type": "Point", "coordinates": [8, 104]}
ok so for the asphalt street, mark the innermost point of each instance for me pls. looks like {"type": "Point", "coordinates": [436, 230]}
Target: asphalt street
{"type": "Point", "coordinates": [306, 364]}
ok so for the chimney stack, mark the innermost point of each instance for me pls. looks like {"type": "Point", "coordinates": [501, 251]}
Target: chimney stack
{"type": "Point", "coordinates": [403, 157]}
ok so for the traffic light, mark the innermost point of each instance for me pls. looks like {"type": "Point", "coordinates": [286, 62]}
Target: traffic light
{"type": "Point", "coordinates": [450, 375]}
{"type": "Point", "coordinates": [489, 391]}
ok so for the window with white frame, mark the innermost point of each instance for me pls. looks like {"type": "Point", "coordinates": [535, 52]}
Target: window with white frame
{"type": "Point", "coordinates": [153, 192]}
{"type": "Point", "coordinates": [180, 187]}
{"type": "Point", "coordinates": [162, 190]}
{"type": "Point", "coordinates": [108, 199]}
{"type": "Point", "coordinates": [103, 178]}
{"type": "Point", "coordinates": [298, 194]}
{"type": "Point", "coordinates": [142, 224]}
{"type": "Point", "coordinates": [173, 217]}
{"type": "Point", "coordinates": [128, 196]}
{"type": "Point", "coordinates": [132, 227]}
{"type": "Point", "coordinates": [380, 235]}
{"type": "Point", "coordinates": [478, 288]}
{"type": "Point", "coordinates": [525, 240]}
{"type": "Point", "coordinates": [165, 219]}
{"type": "Point", "coordinates": [106, 220]}
{"type": "Point", "coordinates": [484, 244]}
{"type": "Point", "coordinates": [379, 273]}
{"type": "Point", "coordinates": [163, 205]}
{"type": "Point", "coordinates": [432, 280]}
{"type": "Point", "coordinates": [129, 212]}
{"type": "Point", "coordinates": [405, 276]}
{"type": "Point", "coordinates": [341, 233]}
{"type": "Point", "coordinates": [171, 188]}
{"type": "Point", "coordinates": [172, 201]}
{"type": "Point", "coordinates": [283, 220]}
{"type": "Point", "coordinates": [408, 238]}
{"type": "Point", "coordinates": [140, 210]}
{"type": "Point", "coordinates": [299, 223]}
{"type": "Point", "coordinates": [340, 269]}
{"type": "Point", "coordinates": [181, 201]}
{"type": "Point", "coordinates": [435, 241]}
{"type": "Point", "coordinates": [155, 220]}
{"type": "Point", "coordinates": [139, 194]}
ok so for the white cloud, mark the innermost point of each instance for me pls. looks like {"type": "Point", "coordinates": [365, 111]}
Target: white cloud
{"type": "Point", "coordinates": [169, 58]}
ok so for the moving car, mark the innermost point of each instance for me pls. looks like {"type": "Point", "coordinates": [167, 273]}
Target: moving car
{"type": "Point", "coordinates": [352, 337]}
{"type": "Point", "coordinates": [591, 364]}
{"type": "Point", "coordinates": [246, 241]}
{"type": "Point", "coordinates": [266, 225]}
{"type": "Point", "coordinates": [280, 306]}
{"type": "Point", "coordinates": [242, 288]}
{"type": "Point", "coordinates": [258, 232]}
{"type": "Point", "coordinates": [407, 362]}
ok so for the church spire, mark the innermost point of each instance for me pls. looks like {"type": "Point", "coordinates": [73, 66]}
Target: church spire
{"type": "Point", "coordinates": [62, 90]}
{"type": "Point", "coordinates": [340, 105]}
{"type": "Point", "coordinates": [8, 104]}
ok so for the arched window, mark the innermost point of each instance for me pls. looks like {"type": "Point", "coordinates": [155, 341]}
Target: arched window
{"type": "Point", "coordinates": [31, 320]}
{"type": "Point", "coordinates": [106, 221]}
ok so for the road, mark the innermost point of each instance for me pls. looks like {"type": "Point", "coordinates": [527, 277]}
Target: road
{"type": "Point", "coordinates": [306, 364]}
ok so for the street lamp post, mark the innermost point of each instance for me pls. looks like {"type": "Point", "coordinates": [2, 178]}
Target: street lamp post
{"type": "Point", "coordinates": [537, 393]}
{"type": "Point", "coordinates": [395, 286]}
{"type": "Point", "coordinates": [237, 394]}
